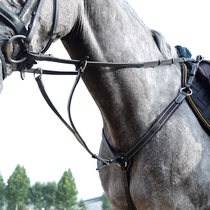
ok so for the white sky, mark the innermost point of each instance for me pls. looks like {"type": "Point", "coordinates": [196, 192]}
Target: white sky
{"type": "Point", "coordinates": [32, 136]}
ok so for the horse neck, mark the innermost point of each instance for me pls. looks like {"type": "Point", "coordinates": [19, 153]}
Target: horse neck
{"type": "Point", "coordinates": [68, 11]}
{"type": "Point", "coordinates": [122, 95]}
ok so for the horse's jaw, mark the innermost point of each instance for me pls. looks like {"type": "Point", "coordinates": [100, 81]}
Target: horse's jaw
{"type": "Point", "coordinates": [6, 71]}
{"type": "Point", "coordinates": [5, 34]}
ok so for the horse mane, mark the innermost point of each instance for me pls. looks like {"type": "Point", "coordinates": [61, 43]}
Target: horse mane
{"type": "Point", "coordinates": [163, 45]}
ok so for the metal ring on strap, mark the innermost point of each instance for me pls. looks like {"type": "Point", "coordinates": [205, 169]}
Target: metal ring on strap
{"type": "Point", "coordinates": [38, 71]}
{"type": "Point", "coordinates": [186, 90]}
{"type": "Point", "coordinates": [9, 49]}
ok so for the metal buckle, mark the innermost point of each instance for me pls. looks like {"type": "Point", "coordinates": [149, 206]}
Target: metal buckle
{"type": "Point", "coordinates": [38, 71]}
{"type": "Point", "coordinates": [187, 91]}
{"type": "Point", "coordinates": [9, 49]}
{"type": "Point", "coordinates": [82, 65]}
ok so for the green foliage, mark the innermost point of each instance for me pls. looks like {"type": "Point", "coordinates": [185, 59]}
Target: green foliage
{"type": "Point", "coordinates": [105, 202]}
{"type": "Point", "coordinates": [18, 193]}
{"type": "Point", "coordinates": [2, 192]}
{"type": "Point", "coordinates": [18, 185]}
{"type": "Point", "coordinates": [66, 195]}
{"type": "Point", "coordinates": [43, 195]}
{"type": "Point", "coordinates": [81, 205]}
{"type": "Point", "coordinates": [36, 195]}
{"type": "Point", "coordinates": [11, 205]}
{"type": "Point", "coordinates": [49, 194]}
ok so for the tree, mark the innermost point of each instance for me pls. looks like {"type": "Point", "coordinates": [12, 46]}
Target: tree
{"type": "Point", "coordinates": [2, 192]}
{"type": "Point", "coordinates": [18, 185]}
{"type": "Point", "coordinates": [49, 194]}
{"type": "Point", "coordinates": [36, 195]}
{"type": "Point", "coordinates": [105, 202]}
{"type": "Point", "coordinates": [10, 205]}
{"type": "Point", "coordinates": [66, 195]}
{"type": "Point", "coordinates": [81, 205]}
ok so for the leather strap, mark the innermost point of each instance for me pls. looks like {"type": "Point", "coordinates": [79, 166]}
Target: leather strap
{"type": "Point", "coordinates": [159, 122]}
{"type": "Point", "coordinates": [24, 9]}
{"type": "Point", "coordinates": [71, 127]}
{"type": "Point", "coordinates": [34, 21]}
{"type": "Point", "coordinates": [53, 33]}
{"type": "Point", "coordinates": [49, 72]}
{"type": "Point", "coordinates": [12, 20]}
{"type": "Point", "coordinates": [43, 57]}
{"type": "Point", "coordinates": [125, 169]}
{"type": "Point", "coordinates": [3, 63]}
{"type": "Point", "coordinates": [124, 160]}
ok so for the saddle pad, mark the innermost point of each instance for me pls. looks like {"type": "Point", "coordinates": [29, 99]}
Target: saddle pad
{"type": "Point", "coordinates": [203, 73]}
{"type": "Point", "coordinates": [199, 101]}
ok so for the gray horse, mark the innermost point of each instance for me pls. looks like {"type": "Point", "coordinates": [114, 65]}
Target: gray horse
{"type": "Point", "coordinates": [172, 171]}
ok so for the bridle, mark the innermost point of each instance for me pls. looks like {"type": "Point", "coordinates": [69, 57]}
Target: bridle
{"type": "Point", "coordinates": [123, 160]}
{"type": "Point", "coordinates": [25, 31]}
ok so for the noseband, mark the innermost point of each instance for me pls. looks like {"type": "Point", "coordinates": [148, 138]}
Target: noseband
{"type": "Point", "coordinates": [25, 35]}
{"type": "Point", "coordinates": [25, 30]}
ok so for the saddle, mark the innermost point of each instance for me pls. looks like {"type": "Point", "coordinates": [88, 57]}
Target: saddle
{"type": "Point", "coordinates": [199, 101]}
{"type": "Point", "coordinates": [203, 73]}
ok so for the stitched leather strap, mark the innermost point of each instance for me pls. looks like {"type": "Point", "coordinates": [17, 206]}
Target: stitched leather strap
{"type": "Point", "coordinates": [159, 123]}
{"type": "Point", "coordinates": [34, 22]}
{"type": "Point", "coordinates": [124, 160]}
{"type": "Point", "coordinates": [71, 127]}
{"type": "Point", "coordinates": [43, 57]}
{"type": "Point", "coordinates": [12, 20]}
{"type": "Point", "coordinates": [161, 120]}
{"type": "Point", "coordinates": [53, 33]}
{"type": "Point", "coordinates": [3, 63]}
{"type": "Point", "coordinates": [49, 72]}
